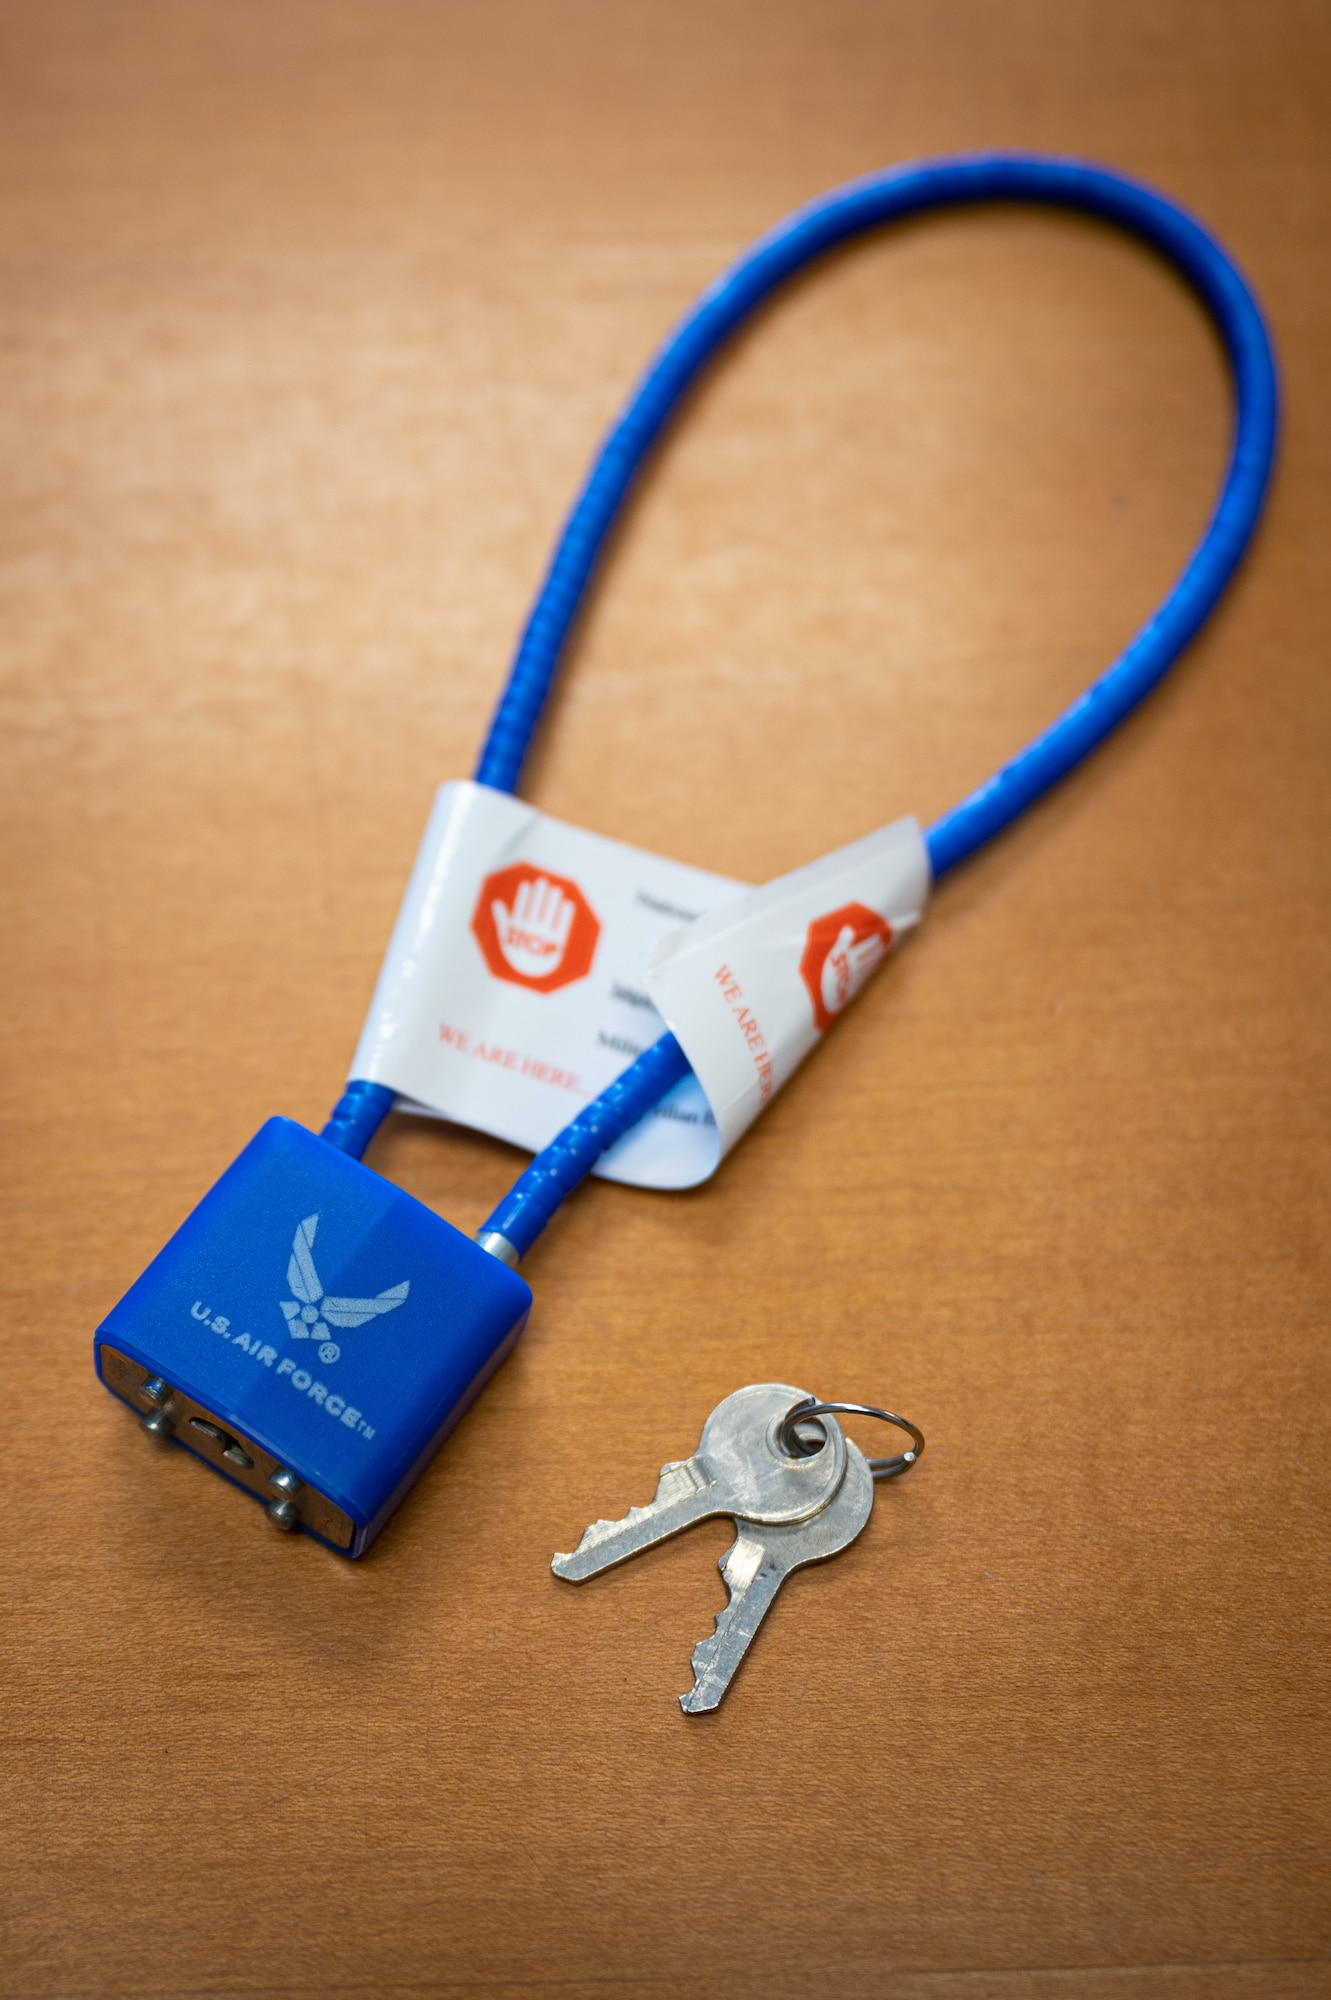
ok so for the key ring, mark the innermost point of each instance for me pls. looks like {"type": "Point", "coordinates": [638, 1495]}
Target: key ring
{"type": "Point", "coordinates": [882, 1468]}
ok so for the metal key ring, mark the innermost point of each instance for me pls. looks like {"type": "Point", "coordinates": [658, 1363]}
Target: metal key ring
{"type": "Point", "coordinates": [881, 1468]}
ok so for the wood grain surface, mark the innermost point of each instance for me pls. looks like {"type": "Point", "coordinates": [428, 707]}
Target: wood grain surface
{"type": "Point", "coordinates": [311, 316]}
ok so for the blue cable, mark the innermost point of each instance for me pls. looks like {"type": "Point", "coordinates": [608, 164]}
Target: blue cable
{"type": "Point", "coordinates": [536, 1194]}
{"type": "Point", "coordinates": [357, 1116]}
{"type": "Point", "coordinates": [809, 233]}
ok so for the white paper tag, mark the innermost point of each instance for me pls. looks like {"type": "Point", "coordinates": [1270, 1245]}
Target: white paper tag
{"type": "Point", "coordinates": [749, 989]}
{"type": "Point", "coordinates": [532, 962]}
{"type": "Point", "coordinates": [512, 992]}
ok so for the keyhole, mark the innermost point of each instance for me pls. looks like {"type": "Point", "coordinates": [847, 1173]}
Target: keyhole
{"type": "Point", "coordinates": [231, 1447]}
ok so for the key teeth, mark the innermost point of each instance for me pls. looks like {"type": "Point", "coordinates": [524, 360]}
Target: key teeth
{"type": "Point", "coordinates": [592, 1538]}
{"type": "Point", "coordinates": [565, 1563]}
{"type": "Point", "coordinates": [698, 1700]}
{"type": "Point", "coordinates": [600, 1529]}
{"type": "Point", "coordinates": [739, 1566]}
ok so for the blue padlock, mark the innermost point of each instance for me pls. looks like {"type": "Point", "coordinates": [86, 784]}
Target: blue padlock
{"type": "Point", "coordinates": [313, 1333]}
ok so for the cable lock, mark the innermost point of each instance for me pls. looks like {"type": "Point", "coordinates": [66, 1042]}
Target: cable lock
{"type": "Point", "coordinates": [312, 1332]}
{"type": "Point", "coordinates": [808, 234]}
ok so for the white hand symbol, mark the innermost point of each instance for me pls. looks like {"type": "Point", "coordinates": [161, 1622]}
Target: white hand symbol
{"type": "Point", "coordinates": [533, 936]}
{"type": "Point", "coordinates": [848, 965]}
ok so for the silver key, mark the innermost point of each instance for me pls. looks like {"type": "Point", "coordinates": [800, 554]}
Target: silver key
{"type": "Point", "coordinates": [758, 1562]}
{"type": "Point", "coordinates": [738, 1469]}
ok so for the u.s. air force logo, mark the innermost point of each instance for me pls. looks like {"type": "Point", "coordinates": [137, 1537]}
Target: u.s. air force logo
{"type": "Point", "coordinates": [310, 1314]}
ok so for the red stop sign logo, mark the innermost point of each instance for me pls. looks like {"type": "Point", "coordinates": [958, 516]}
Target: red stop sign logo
{"type": "Point", "coordinates": [535, 928]}
{"type": "Point", "coordinates": [840, 951]}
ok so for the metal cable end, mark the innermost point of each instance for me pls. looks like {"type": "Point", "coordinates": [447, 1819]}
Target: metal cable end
{"type": "Point", "coordinates": [500, 1247]}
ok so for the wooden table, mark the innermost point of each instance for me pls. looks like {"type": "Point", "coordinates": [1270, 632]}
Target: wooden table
{"type": "Point", "coordinates": [312, 315]}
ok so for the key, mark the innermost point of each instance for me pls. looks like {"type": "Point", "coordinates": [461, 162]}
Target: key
{"type": "Point", "coordinates": [738, 1469]}
{"type": "Point", "coordinates": [758, 1562]}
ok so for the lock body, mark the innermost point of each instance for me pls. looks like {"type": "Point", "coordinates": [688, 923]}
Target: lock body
{"type": "Point", "coordinates": [313, 1333]}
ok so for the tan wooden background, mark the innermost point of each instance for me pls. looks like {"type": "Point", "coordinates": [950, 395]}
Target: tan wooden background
{"type": "Point", "coordinates": [311, 314]}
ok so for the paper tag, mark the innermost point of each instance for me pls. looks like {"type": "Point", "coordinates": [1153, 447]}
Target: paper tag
{"type": "Point", "coordinates": [749, 989]}
{"type": "Point", "coordinates": [512, 992]}
{"type": "Point", "coordinates": [532, 962]}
